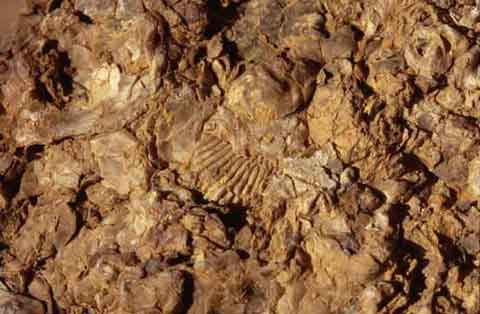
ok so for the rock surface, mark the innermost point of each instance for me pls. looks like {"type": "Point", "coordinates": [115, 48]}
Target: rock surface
{"type": "Point", "coordinates": [241, 157]}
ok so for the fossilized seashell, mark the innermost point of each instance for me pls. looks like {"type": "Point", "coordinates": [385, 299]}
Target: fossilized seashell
{"type": "Point", "coordinates": [280, 138]}
{"type": "Point", "coordinates": [259, 96]}
{"type": "Point", "coordinates": [226, 176]}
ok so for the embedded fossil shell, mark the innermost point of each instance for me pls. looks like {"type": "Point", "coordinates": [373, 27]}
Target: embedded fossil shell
{"type": "Point", "coordinates": [227, 177]}
{"type": "Point", "coordinates": [259, 96]}
{"type": "Point", "coordinates": [241, 157]}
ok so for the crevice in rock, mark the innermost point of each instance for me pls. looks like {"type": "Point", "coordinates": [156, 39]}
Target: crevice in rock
{"type": "Point", "coordinates": [220, 17]}
{"type": "Point", "coordinates": [84, 18]}
{"type": "Point", "coordinates": [188, 292]}
{"type": "Point", "coordinates": [454, 256]}
{"type": "Point", "coordinates": [416, 278]}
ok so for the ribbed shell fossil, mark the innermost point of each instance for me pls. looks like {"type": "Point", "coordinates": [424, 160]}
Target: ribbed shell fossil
{"type": "Point", "coordinates": [229, 152]}
{"type": "Point", "coordinates": [226, 176]}
{"type": "Point", "coordinates": [241, 157]}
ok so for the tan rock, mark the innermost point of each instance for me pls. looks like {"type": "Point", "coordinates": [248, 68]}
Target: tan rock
{"type": "Point", "coordinates": [122, 164]}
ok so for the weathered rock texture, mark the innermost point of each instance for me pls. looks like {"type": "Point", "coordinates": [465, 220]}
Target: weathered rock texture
{"type": "Point", "coordinates": [241, 157]}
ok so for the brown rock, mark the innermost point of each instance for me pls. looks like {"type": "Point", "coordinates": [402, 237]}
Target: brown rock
{"type": "Point", "coordinates": [240, 157]}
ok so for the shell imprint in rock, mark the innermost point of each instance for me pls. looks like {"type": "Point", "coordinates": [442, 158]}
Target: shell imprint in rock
{"type": "Point", "coordinates": [226, 176]}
